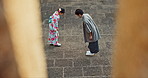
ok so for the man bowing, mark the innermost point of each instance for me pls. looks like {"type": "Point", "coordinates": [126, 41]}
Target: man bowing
{"type": "Point", "coordinates": [91, 33]}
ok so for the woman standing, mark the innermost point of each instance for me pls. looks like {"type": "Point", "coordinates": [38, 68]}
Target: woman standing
{"type": "Point", "coordinates": [53, 27]}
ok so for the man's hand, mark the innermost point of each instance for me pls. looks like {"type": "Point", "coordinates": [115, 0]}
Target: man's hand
{"type": "Point", "coordinates": [90, 37]}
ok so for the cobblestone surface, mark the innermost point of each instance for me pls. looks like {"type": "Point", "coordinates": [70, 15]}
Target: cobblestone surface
{"type": "Point", "coordinates": [69, 61]}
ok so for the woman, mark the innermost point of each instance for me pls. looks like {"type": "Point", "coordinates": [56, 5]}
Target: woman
{"type": "Point", "coordinates": [53, 27]}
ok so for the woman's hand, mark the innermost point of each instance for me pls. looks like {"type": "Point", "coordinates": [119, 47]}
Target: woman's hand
{"type": "Point", "coordinates": [54, 30]}
{"type": "Point", "coordinates": [57, 29]}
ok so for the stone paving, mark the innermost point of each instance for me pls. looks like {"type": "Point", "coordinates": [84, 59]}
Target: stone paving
{"type": "Point", "coordinates": [69, 61]}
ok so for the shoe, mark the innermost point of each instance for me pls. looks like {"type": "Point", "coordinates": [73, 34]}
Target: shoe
{"type": "Point", "coordinates": [58, 45]}
{"type": "Point", "coordinates": [51, 44]}
{"type": "Point", "coordinates": [88, 53]}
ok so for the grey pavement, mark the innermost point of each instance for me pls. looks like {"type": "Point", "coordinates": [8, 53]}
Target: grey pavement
{"type": "Point", "coordinates": [69, 61]}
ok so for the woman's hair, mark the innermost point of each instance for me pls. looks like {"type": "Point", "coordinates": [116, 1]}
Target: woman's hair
{"type": "Point", "coordinates": [61, 10]}
{"type": "Point", "coordinates": [79, 11]}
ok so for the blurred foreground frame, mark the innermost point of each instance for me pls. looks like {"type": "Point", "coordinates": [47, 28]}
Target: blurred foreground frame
{"type": "Point", "coordinates": [21, 47]}
{"type": "Point", "coordinates": [130, 59]}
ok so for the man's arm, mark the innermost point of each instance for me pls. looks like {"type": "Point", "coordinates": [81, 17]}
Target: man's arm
{"type": "Point", "coordinates": [88, 30]}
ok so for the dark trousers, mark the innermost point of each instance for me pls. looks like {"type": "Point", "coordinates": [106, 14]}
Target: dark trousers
{"type": "Point", "coordinates": [93, 47]}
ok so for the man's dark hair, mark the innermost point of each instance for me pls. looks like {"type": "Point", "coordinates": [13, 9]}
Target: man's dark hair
{"type": "Point", "coordinates": [79, 11]}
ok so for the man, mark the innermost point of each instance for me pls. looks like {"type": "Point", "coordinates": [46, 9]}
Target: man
{"type": "Point", "coordinates": [91, 33]}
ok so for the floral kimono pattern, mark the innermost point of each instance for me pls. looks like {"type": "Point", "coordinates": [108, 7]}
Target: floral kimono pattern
{"type": "Point", "coordinates": [53, 26]}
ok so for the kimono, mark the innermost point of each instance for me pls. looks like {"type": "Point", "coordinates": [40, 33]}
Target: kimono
{"type": "Point", "coordinates": [89, 26]}
{"type": "Point", "coordinates": [53, 26]}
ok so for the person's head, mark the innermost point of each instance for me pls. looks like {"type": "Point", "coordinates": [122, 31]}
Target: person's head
{"type": "Point", "coordinates": [61, 11]}
{"type": "Point", "coordinates": [79, 13]}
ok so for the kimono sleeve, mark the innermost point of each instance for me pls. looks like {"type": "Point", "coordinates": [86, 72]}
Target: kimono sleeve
{"type": "Point", "coordinates": [56, 23]}
{"type": "Point", "coordinates": [52, 23]}
{"type": "Point", "coordinates": [87, 27]}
